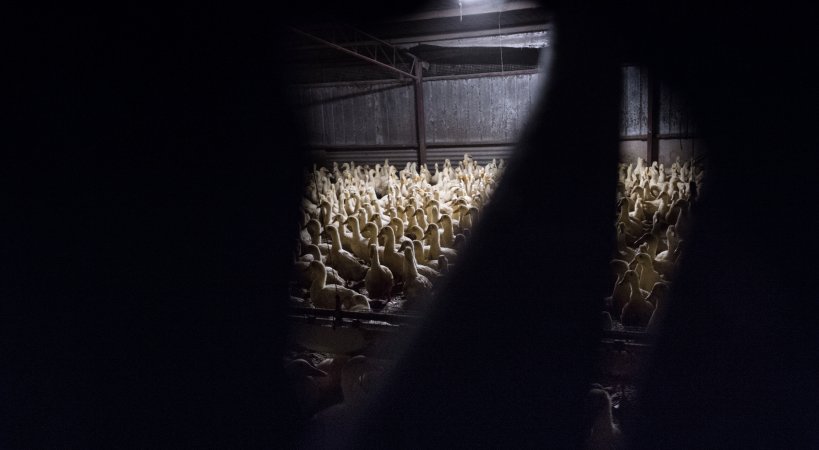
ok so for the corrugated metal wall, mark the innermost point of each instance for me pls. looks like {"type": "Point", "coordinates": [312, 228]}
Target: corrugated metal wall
{"type": "Point", "coordinates": [489, 109]}
{"type": "Point", "coordinates": [483, 115]}
{"type": "Point", "coordinates": [634, 107]}
{"type": "Point", "coordinates": [369, 122]}
{"type": "Point", "coordinates": [676, 127]}
{"type": "Point", "coordinates": [360, 114]}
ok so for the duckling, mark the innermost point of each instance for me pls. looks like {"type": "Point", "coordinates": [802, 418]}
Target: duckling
{"type": "Point", "coordinates": [435, 248]}
{"type": "Point", "coordinates": [379, 280]}
{"type": "Point", "coordinates": [346, 264]}
{"type": "Point", "coordinates": [604, 434]}
{"type": "Point", "coordinates": [324, 296]}
{"type": "Point", "coordinates": [417, 288]}
{"type": "Point", "coordinates": [637, 312]}
{"type": "Point", "coordinates": [393, 260]}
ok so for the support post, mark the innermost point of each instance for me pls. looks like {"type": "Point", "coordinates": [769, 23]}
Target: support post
{"type": "Point", "coordinates": [420, 117]}
{"type": "Point", "coordinates": [653, 122]}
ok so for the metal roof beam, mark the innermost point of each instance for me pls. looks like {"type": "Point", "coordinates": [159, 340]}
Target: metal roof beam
{"type": "Point", "coordinates": [469, 10]}
{"type": "Point", "coordinates": [347, 51]}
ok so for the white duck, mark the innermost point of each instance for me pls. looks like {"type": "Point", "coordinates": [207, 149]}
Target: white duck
{"type": "Point", "coordinates": [648, 276]}
{"type": "Point", "coordinates": [435, 249]}
{"type": "Point", "coordinates": [346, 264]}
{"type": "Point", "coordinates": [417, 288]}
{"type": "Point", "coordinates": [323, 296]}
{"type": "Point", "coordinates": [302, 273]}
{"type": "Point", "coordinates": [391, 259]}
{"type": "Point", "coordinates": [379, 280]}
{"type": "Point", "coordinates": [358, 243]}
{"type": "Point", "coordinates": [448, 234]}
{"type": "Point", "coordinates": [314, 230]}
{"type": "Point", "coordinates": [423, 268]}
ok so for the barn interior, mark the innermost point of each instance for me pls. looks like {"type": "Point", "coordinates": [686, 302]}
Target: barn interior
{"type": "Point", "coordinates": [410, 122]}
{"type": "Point", "coordinates": [156, 188]}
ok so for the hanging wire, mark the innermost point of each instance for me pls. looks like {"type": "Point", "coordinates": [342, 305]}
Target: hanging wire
{"type": "Point", "coordinates": [461, 9]}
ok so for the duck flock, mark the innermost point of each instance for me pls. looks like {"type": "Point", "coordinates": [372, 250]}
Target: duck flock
{"type": "Point", "coordinates": [653, 206]}
{"type": "Point", "coordinates": [382, 238]}
{"type": "Point", "coordinates": [379, 238]}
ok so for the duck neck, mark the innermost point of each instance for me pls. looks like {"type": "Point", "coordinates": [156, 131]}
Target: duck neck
{"type": "Point", "coordinates": [411, 267]}
{"type": "Point", "coordinates": [336, 240]}
{"type": "Point", "coordinates": [419, 251]}
{"type": "Point", "coordinates": [389, 243]}
{"type": "Point", "coordinates": [319, 281]}
{"type": "Point", "coordinates": [635, 289]}
{"type": "Point", "coordinates": [356, 231]}
{"type": "Point", "coordinates": [434, 243]}
{"type": "Point", "coordinates": [624, 213]}
{"type": "Point", "coordinates": [449, 233]}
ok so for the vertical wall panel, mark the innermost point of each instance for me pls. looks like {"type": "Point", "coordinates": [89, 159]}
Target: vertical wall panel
{"type": "Point", "coordinates": [634, 106]}
{"type": "Point", "coordinates": [675, 117]}
{"type": "Point", "coordinates": [476, 110]}
{"type": "Point", "coordinates": [357, 114]}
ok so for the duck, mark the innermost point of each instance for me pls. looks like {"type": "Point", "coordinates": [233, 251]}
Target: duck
{"type": "Point", "coordinates": [673, 242]}
{"type": "Point", "coordinates": [379, 280]}
{"type": "Point", "coordinates": [648, 275]}
{"type": "Point", "coordinates": [631, 228]}
{"type": "Point", "coordinates": [637, 311]}
{"type": "Point", "coordinates": [417, 288]}
{"type": "Point", "coordinates": [435, 248]}
{"type": "Point", "coordinates": [658, 298]}
{"type": "Point", "coordinates": [302, 274]}
{"type": "Point", "coordinates": [425, 270]}
{"type": "Point", "coordinates": [323, 296]}
{"type": "Point", "coordinates": [358, 243]}
{"type": "Point", "coordinates": [623, 290]}
{"type": "Point", "coordinates": [392, 259]}
{"type": "Point", "coordinates": [421, 218]}
{"type": "Point", "coordinates": [345, 263]}
{"type": "Point", "coordinates": [313, 228]}
{"type": "Point", "coordinates": [603, 434]}
{"type": "Point", "coordinates": [619, 268]}
{"type": "Point", "coordinates": [415, 232]}
{"type": "Point", "coordinates": [448, 234]}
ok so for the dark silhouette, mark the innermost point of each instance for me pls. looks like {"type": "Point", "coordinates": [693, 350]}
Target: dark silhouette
{"type": "Point", "coordinates": [150, 186]}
